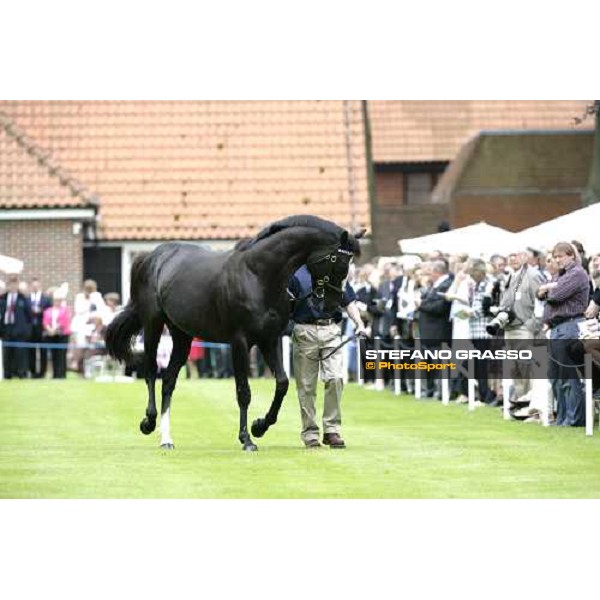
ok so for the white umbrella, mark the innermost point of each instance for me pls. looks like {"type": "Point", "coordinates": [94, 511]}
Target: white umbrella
{"type": "Point", "coordinates": [10, 265]}
{"type": "Point", "coordinates": [475, 240]}
{"type": "Point", "coordinates": [580, 225]}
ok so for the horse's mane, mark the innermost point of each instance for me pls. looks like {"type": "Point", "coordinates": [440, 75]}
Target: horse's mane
{"type": "Point", "coordinates": [287, 223]}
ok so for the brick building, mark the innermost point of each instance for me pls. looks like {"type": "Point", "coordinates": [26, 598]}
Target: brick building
{"type": "Point", "coordinates": [206, 172]}
{"type": "Point", "coordinates": [516, 179]}
{"type": "Point", "coordinates": [211, 172]}
{"type": "Point", "coordinates": [414, 141]}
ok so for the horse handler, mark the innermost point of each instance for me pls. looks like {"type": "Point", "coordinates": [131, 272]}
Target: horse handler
{"type": "Point", "coordinates": [316, 335]}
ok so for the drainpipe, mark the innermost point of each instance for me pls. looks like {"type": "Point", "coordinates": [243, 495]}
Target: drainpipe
{"type": "Point", "coordinates": [372, 191]}
{"type": "Point", "coordinates": [350, 167]}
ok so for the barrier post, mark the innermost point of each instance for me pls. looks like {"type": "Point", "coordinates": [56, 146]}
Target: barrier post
{"type": "Point", "coordinates": [471, 382]}
{"type": "Point", "coordinates": [589, 401]}
{"type": "Point", "coordinates": [445, 380]}
{"type": "Point", "coordinates": [418, 380]}
{"type": "Point", "coordinates": [286, 351]}
{"type": "Point", "coordinates": [345, 359]}
{"type": "Point", "coordinates": [360, 379]}
{"type": "Point", "coordinates": [379, 385]}
{"type": "Point", "coordinates": [506, 385]}
{"type": "Point", "coordinates": [548, 401]}
{"type": "Point", "coordinates": [397, 377]}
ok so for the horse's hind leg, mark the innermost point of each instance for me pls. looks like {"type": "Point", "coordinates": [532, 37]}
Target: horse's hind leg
{"type": "Point", "coordinates": [152, 333]}
{"type": "Point", "coordinates": [181, 350]}
{"type": "Point", "coordinates": [239, 350]}
{"type": "Point", "coordinates": [273, 357]}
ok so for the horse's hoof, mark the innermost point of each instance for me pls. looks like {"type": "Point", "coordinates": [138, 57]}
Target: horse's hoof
{"type": "Point", "coordinates": [259, 428]}
{"type": "Point", "coordinates": [147, 426]}
{"type": "Point", "coordinates": [250, 448]}
{"type": "Point", "coordinates": [167, 447]}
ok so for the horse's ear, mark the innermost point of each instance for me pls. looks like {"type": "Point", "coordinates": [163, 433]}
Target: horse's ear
{"type": "Point", "coordinates": [360, 234]}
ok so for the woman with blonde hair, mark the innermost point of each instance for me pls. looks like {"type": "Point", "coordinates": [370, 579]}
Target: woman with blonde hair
{"type": "Point", "coordinates": [88, 305]}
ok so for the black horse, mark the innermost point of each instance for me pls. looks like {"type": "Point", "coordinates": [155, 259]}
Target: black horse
{"type": "Point", "coordinates": [238, 297]}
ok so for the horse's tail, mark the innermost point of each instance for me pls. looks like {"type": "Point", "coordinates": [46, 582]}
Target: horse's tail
{"type": "Point", "coordinates": [121, 332]}
{"type": "Point", "coordinates": [127, 324]}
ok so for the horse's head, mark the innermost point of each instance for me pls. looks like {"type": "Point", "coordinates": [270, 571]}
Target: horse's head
{"type": "Point", "coordinates": [325, 247]}
{"type": "Point", "coordinates": [329, 267]}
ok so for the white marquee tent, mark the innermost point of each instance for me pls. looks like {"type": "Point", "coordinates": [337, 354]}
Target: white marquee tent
{"type": "Point", "coordinates": [478, 240]}
{"type": "Point", "coordinates": [581, 225]}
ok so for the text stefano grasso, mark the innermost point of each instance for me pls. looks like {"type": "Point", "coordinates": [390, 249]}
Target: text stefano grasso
{"type": "Point", "coordinates": [498, 354]}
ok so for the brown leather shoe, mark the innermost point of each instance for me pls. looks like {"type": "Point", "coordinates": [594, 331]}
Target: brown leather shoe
{"type": "Point", "coordinates": [333, 440]}
{"type": "Point", "coordinates": [312, 444]}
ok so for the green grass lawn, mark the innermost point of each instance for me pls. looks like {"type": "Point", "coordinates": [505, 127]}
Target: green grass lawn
{"type": "Point", "coordinates": [79, 439]}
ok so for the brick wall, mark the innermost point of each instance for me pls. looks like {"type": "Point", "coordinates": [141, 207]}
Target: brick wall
{"type": "Point", "coordinates": [393, 223]}
{"type": "Point", "coordinates": [49, 249]}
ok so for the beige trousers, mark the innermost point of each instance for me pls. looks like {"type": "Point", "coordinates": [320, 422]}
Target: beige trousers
{"type": "Point", "coordinates": [521, 372]}
{"type": "Point", "coordinates": [310, 342]}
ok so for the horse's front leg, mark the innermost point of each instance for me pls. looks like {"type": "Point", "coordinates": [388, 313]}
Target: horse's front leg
{"type": "Point", "coordinates": [151, 340]}
{"type": "Point", "coordinates": [239, 349]}
{"type": "Point", "coordinates": [272, 354]}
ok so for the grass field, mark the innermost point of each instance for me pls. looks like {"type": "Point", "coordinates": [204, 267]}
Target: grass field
{"type": "Point", "coordinates": [79, 439]}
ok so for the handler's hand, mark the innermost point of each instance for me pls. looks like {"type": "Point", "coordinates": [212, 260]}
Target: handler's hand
{"type": "Point", "coordinates": [360, 331]}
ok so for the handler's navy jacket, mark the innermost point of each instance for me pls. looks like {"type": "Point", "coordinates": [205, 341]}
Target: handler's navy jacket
{"type": "Point", "coordinates": [307, 310]}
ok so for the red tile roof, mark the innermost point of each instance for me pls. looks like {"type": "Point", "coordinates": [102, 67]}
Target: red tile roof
{"type": "Point", "coordinates": [206, 170]}
{"type": "Point", "coordinates": [29, 178]}
{"type": "Point", "coordinates": [435, 130]}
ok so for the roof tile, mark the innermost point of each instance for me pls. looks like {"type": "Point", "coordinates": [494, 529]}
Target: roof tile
{"type": "Point", "coordinates": [28, 176]}
{"type": "Point", "coordinates": [223, 169]}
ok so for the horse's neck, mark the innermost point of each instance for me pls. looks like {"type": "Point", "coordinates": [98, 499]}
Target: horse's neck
{"type": "Point", "coordinates": [278, 257]}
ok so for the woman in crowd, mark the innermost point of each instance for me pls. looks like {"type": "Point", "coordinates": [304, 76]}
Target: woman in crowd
{"type": "Point", "coordinates": [56, 322]}
{"type": "Point", "coordinates": [88, 303]}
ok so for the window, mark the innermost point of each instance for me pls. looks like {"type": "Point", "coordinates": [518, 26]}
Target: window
{"type": "Point", "coordinates": [419, 187]}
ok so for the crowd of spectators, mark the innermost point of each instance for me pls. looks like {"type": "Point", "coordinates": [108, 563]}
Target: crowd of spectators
{"type": "Point", "coordinates": [37, 325]}
{"type": "Point", "coordinates": [426, 301]}
{"type": "Point", "coordinates": [519, 298]}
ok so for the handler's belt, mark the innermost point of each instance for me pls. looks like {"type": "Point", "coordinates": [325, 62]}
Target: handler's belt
{"type": "Point", "coordinates": [321, 322]}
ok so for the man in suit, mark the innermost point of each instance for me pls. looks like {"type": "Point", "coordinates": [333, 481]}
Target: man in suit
{"type": "Point", "coordinates": [518, 300]}
{"type": "Point", "coordinates": [38, 357]}
{"type": "Point", "coordinates": [433, 311]}
{"type": "Point", "coordinates": [15, 326]}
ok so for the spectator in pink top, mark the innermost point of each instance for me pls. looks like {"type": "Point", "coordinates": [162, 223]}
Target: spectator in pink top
{"type": "Point", "coordinates": [57, 329]}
